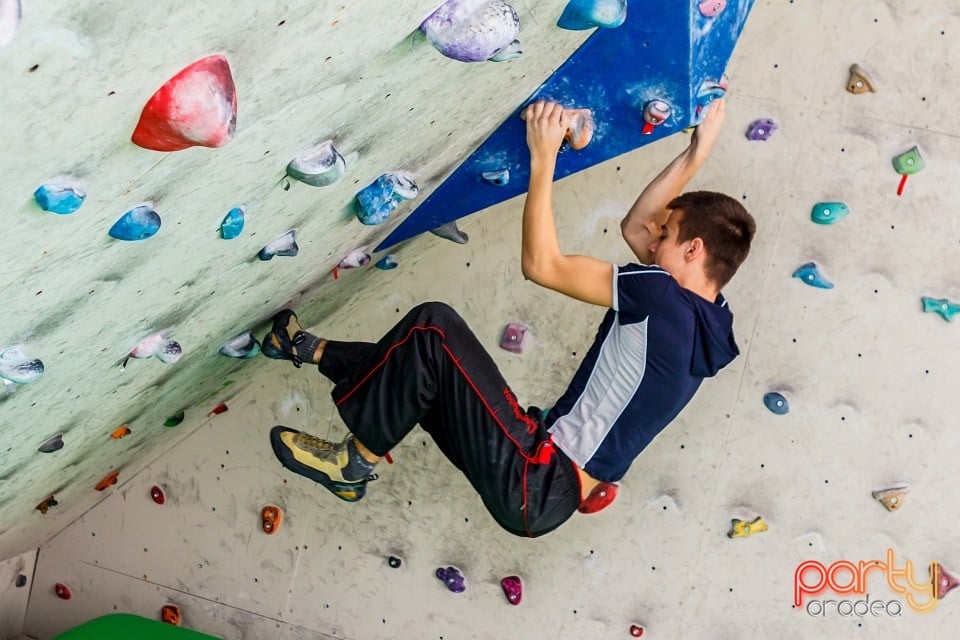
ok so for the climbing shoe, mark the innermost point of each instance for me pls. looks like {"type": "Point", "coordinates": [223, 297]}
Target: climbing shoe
{"type": "Point", "coordinates": [288, 341]}
{"type": "Point", "coordinates": [320, 460]}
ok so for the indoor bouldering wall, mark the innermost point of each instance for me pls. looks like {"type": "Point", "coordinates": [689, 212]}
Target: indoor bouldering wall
{"type": "Point", "coordinates": [805, 492]}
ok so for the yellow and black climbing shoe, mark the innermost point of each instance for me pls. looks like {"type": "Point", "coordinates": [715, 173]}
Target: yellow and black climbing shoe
{"type": "Point", "coordinates": [288, 341]}
{"type": "Point", "coordinates": [320, 460]}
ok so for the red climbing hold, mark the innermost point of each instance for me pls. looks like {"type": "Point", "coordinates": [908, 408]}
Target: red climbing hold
{"type": "Point", "coordinates": [62, 591]}
{"type": "Point", "coordinates": [196, 107]}
{"type": "Point", "coordinates": [217, 410]}
{"type": "Point", "coordinates": [636, 630]}
{"type": "Point", "coordinates": [600, 498]}
{"type": "Point", "coordinates": [513, 589]}
{"type": "Point", "coordinates": [943, 581]}
{"type": "Point", "coordinates": [157, 494]}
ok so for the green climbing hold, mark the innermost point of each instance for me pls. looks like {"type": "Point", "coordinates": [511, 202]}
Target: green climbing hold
{"type": "Point", "coordinates": [174, 420]}
{"type": "Point", "coordinates": [829, 212]}
{"type": "Point", "coordinates": [909, 162]}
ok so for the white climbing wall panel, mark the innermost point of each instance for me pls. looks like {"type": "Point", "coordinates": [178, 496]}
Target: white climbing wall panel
{"type": "Point", "coordinates": [869, 378]}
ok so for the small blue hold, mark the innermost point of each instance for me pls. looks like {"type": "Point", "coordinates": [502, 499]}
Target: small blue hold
{"type": "Point", "coordinates": [377, 201]}
{"type": "Point", "coordinates": [497, 178]}
{"type": "Point", "coordinates": [810, 274]}
{"type": "Point", "coordinates": [232, 224]}
{"type": "Point", "coordinates": [580, 15]}
{"type": "Point", "coordinates": [386, 263]}
{"type": "Point", "coordinates": [777, 403]}
{"type": "Point", "coordinates": [58, 198]}
{"type": "Point", "coordinates": [139, 223]}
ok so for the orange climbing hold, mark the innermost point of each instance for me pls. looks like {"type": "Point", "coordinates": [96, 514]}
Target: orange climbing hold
{"type": "Point", "coordinates": [44, 506]}
{"type": "Point", "coordinates": [120, 432]}
{"type": "Point", "coordinates": [196, 107]}
{"type": "Point", "coordinates": [108, 480]}
{"type": "Point", "coordinates": [170, 613]}
{"type": "Point", "coordinates": [270, 518]}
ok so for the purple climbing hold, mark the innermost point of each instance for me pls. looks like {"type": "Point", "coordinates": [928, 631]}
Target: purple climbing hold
{"type": "Point", "coordinates": [513, 589]}
{"type": "Point", "coordinates": [452, 578]}
{"type": "Point", "coordinates": [282, 245]}
{"type": "Point", "coordinates": [514, 338]}
{"type": "Point", "coordinates": [473, 30]}
{"type": "Point", "coordinates": [59, 198]}
{"type": "Point", "coordinates": [9, 20]}
{"type": "Point", "coordinates": [761, 129]}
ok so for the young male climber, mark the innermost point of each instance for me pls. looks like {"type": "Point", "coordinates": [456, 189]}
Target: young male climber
{"type": "Point", "coordinates": [666, 328]}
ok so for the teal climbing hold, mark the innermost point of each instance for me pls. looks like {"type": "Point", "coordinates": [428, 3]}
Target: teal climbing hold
{"type": "Point", "coordinates": [810, 274]}
{"type": "Point", "coordinates": [909, 162]}
{"type": "Point", "coordinates": [59, 198]}
{"type": "Point", "coordinates": [944, 307]}
{"type": "Point", "coordinates": [232, 224]}
{"type": "Point", "coordinates": [386, 263]}
{"type": "Point", "coordinates": [829, 212]}
{"type": "Point", "coordinates": [139, 223]}
{"type": "Point", "coordinates": [243, 346]}
{"type": "Point", "coordinates": [580, 15]}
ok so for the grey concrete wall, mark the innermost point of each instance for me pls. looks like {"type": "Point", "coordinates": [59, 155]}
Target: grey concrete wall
{"type": "Point", "coordinates": [867, 373]}
{"type": "Point", "coordinates": [16, 580]}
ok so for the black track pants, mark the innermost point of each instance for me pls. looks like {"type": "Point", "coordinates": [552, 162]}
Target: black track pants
{"type": "Point", "coordinates": [431, 369]}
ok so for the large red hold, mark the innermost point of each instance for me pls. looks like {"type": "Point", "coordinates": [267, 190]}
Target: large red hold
{"type": "Point", "coordinates": [196, 107]}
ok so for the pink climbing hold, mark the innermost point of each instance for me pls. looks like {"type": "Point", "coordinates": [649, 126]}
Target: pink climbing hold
{"type": "Point", "coordinates": [513, 589]}
{"type": "Point", "coordinates": [196, 107]}
{"type": "Point", "coordinates": [711, 8]}
{"type": "Point", "coordinates": [943, 581]}
{"type": "Point", "coordinates": [514, 338]}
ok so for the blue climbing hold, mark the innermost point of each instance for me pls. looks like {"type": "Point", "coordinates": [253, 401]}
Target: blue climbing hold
{"type": "Point", "coordinates": [283, 245]}
{"type": "Point", "coordinates": [829, 212]}
{"type": "Point", "coordinates": [59, 198]}
{"type": "Point", "coordinates": [497, 178]}
{"type": "Point", "coordinates": [139, 223]}
{"type": "Point", "coordinates": [587, 14]}
{"type": "Point", "coordinates": [777, 403]}
{"type": "Point", "coordinates": [377, 201]}
{"type": "Point", "coordinates": [810, 274]}
{"type": "Point", "coordinates": [944, 307]}
{"type": "Point", "coordinates": [244, 346]}
{"type": "Point", "coordinates": [232, 224]}
{"type": "Point", "coordinates": [386, 263]}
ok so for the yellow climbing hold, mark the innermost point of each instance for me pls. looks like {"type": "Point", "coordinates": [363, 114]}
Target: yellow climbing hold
{"type": "Point", "coordinates": [744, 529]}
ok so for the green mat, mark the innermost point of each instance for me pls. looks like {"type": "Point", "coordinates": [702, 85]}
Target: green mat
{"type": "Point", "coordinates": [126, 626]}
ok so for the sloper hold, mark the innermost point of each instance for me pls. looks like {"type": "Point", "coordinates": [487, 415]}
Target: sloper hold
{"type": "Point", "coordinates": [386, 263]}
{"type": "Point", "coordinates": [509, 52]}
{"type": "Point", "coordinates": [810, 274]}
{"type": "Point", "coordinates": [59, 198]}
{"type": "Point", "coordinates": [53, 443]}
{"type": "Point", "coordinates": [16, 367]}
{"type": "Point", "coordinates": [943, 581]}
{"type": "Point", "coordinates": [859, 81]}
{"type": "Point", "coordinates": [514, 337]}
{"type": "Point", "coordinates": [243, 346]}
{"type": "Point", "coordinates": [157, 345]}
{"type": "Point", "coordinates": [139, 223]}
{"type": "Point", "coordinates": [451, 232]}
{"type": "Point", "coordinates": [232, 224]}
{"type": "Point", "coordinates": [9, 20]}
{"type": "Point", "coordinates": [378, 200]}
{"type": "Point", "coordinates": [282, 245]}
{"type": "Point", "coordinates": [655, 113]}
{"type": "Point", "coordinates": [712, 8]}
{"type": "Point", "coordinates": [942, 306]}
{"type": "Point", "coordinates": [829, 212]}
{"type": "Point", "coordinates": [472, 30]}
{"type": "Point", "coordinates": [892, 498]}
{"type": "Point", "coordinates": [909, 162]}
{"type": "Point", "coordinates": [744, 529]}
{"type": "Point", "coordinates": [174, 420]}
{"type": "Point", "coordinates": [196, 107]}
{"type": "Point", "coordinates": [318, 166]}
{"type": "Point", "coordinates": [499, 178]}
{"type": "Point", "coordinates": [776, 403]}
{"type": "Point", "coordinates": [580, 15]}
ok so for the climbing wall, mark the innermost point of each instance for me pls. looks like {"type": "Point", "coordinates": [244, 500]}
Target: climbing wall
{"type": "Point", "coordinates": [863, 369]}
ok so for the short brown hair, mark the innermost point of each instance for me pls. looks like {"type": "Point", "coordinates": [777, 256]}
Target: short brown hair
{"type": "Point", "coordinates": [724, 225]}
